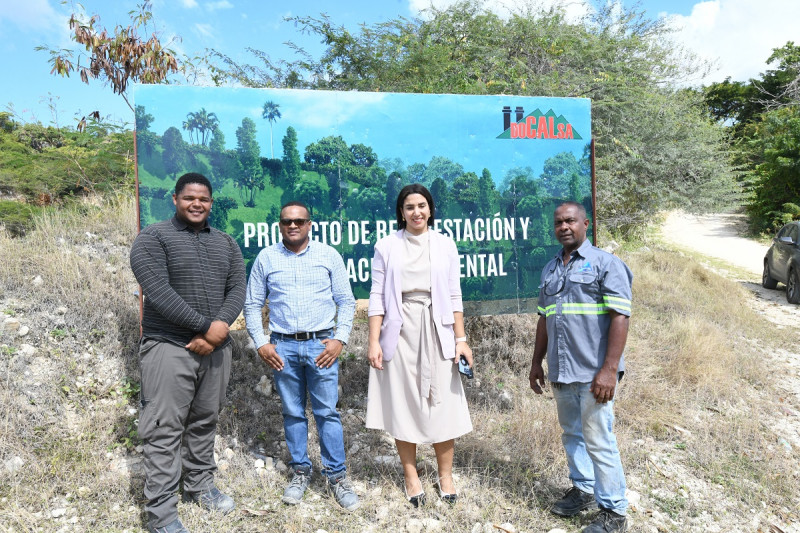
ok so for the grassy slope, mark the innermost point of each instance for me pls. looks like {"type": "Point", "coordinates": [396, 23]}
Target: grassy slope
{"type": "Point", "coordinates": [688, 413]}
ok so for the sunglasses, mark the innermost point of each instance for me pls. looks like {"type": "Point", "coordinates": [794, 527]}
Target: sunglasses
{"type": "Point", "coordinates": [296, 221]}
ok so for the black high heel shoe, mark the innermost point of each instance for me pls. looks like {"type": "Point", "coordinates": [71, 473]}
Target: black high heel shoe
{"type": "Point", "coordinates": [418, 500]}
{"type": "Point", "coordinates": [446, 497]}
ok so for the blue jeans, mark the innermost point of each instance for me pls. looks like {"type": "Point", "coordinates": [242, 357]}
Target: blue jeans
{"type": "Point", "coordinates": [588, 438]}
{"type": "Point", "coordinates": [299, 375]}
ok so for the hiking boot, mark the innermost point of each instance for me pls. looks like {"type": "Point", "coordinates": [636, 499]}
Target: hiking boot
{"type": "Point", "coordinates": [607, 521]}
{"type": "Point", "coordinates": [293, 493]}
{"type": "Point", "coordinates": [176, 526]}
{"type": "Point", "coordinates": [343, 491]}
{"type": "Point", "coordinates": [573, 502]}
{"type": "Point", "coordinates": [212, 500]}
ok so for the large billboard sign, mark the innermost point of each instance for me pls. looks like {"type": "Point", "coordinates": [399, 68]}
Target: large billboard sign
{"type": "Point", "coordinates": [496, 166]}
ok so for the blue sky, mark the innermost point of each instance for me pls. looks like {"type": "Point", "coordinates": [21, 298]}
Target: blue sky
{"type": "Point", "coordinates": [737, 34]}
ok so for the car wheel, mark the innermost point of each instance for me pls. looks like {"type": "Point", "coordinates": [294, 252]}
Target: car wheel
{"type": "Point", "coordinates": [767, 281]}
{"type": "Point", "coordinates": [793, 287]}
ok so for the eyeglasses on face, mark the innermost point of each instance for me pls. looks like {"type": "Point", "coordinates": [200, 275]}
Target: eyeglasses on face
{"type": "Point", "coordinates": [296, 221]}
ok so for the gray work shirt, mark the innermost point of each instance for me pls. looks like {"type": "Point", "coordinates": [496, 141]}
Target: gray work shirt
{"type": "Point", "coordinates": [575, 300]}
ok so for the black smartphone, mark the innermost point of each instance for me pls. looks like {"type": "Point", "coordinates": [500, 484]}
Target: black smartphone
{"type": "Point", "coordinates": [464, 368]}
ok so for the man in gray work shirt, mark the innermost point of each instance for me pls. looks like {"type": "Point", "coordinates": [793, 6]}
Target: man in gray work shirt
{"type": "Point", "coordinates": [584, 306]}
{"type": "Point", "coordinates": [193, 280]}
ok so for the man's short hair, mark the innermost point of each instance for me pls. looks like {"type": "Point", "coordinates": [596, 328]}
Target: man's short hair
{"type": "Point", "coordinates": [579, 206]}
{"type": "Point", "coordinates": [192, 177]}
{"type": "Point", "coordinates": [298, 204]}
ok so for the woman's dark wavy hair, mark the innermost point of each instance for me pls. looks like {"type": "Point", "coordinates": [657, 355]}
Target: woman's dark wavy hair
{"type": "Point", "coordinates": [414, 188]}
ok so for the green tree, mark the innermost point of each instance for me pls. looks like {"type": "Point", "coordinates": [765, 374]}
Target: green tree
{"type": "Point", "coordinates": [393, 185]}
{"type": "Point", "coordinates": [249, 178]}
{"type": "Point", "coordinates": [466, 191]}
{"type": "Point", "coordinates": [655, 146]}
{"type": "Point", "coordinates": [308, 191]}
{"type": "Point", "coordinates": [202, 121]}
{"type": "Point", "coordinates": [777, 186]}
{"type": "Point", "coordinates": [174, 154]}
{"type": "Point", "coordinates": [219, 214]}
{"type": "Point", "coordinates": [291, 157]}
{"type": "Point", "coordinates": [487, 199]}
{"type": "Point", "coordinates": [441, 196]}
{"type": "Point", "coordinates": [441, 167]}
{"type": "Point", "coordinates": [143, 119]}
{"type": "Point", "coordinates": [271, 114]}
{"type": "Point", "coordinates": [558, 173]}
{"type": "Point", "coordinates": [224, 165]}
{"type": "Point", "coordinates": [370, 201]}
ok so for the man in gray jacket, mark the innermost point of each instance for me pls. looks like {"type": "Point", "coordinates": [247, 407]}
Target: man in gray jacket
{"type": "Point", "coordinates": [193, 281]}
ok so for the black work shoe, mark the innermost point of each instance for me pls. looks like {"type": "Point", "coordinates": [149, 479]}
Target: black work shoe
{"type": "Point", "coordinates": [173, 527]}
{"type": "Point", "coordinates": [573, 502]}
{"type": "Point", "coordinates": [213, 500]}
{"type": "Point", "coordinates": [607, 521]}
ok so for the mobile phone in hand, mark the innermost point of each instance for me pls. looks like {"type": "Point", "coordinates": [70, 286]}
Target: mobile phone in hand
{"type": "Point", "coordinates": [464, 368]}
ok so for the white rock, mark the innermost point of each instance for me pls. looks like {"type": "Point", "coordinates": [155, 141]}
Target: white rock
{"type": "Point", "coordinates": [14, 464]}
{"type": "Point", "coordinates": [261, 472]}
{"type": "Point", "coordinates": [27, 349]}
{"type": "Point", "coordinates": [506, 400]}
{"type": "Point", "coordinates": [259, 463]}
{"type": "Point", "coordinates": [633, 497]}
{"type": "Point", "coordinates": [557, 530]}
{"type": "Point", "coordinates": [38, 280]}
{"type": "Point", "coordinates": [62, 310]}
{"type": "Point", "coordinates": [508, 526]}
{"type": "Point", "coordinates": [431, 524]}
{"type": "Point", "coordinates": [414, 526]}
{"type": "Point", "coordinates": [228, 453]}
{"type": "Point", "coordinates": [264, 387]}
{"type": "Point", "coordinates": [386, 460]}
{"type": "Point", "coordinates": [24, 330]}
{"type": "Point", "coordinates": [382, 512]}
{"type": "Point", "coordinates": [58, 513]}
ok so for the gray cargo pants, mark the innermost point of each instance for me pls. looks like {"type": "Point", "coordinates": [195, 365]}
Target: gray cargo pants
{"type": "Point", "coordinates": [181, 396]}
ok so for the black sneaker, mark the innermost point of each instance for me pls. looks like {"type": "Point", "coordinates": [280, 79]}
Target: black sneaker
{"type": "Point", "coordinates": [607, 521]}
{"type": "Point", "coordinates": [573, 502]}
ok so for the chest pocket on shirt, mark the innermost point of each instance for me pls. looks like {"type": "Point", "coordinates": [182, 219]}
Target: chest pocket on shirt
{"type": "Point", "coordinates": [583, 277]}
{"type": "Point", "coordinates": [586, 283]}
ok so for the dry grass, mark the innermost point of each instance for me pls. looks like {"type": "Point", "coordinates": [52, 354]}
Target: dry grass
{"type": "Point", "coordinates": [690, 411]}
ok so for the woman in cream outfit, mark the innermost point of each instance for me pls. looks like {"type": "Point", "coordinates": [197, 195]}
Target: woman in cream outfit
{"type": "Point", "coordinates": [416, 336]}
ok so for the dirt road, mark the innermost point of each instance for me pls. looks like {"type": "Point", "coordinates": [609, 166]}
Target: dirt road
{"type": "Point", "coordinates": [720, 237]}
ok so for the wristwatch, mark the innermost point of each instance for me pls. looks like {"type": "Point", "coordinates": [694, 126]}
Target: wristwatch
{"type": "Point", "coordinates": [461, 339]}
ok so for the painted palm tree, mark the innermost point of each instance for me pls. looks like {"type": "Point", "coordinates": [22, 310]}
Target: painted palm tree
{"type": "Point", "coordinates": [202, 121]}
{"type": "Point", "coordinates": [271, 113]}
{"type": "Point", "coordinates": [190, 124]}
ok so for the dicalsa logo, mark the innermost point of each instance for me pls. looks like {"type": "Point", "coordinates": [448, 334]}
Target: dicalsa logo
{"type": "Point", "coordinates": [536, 125]}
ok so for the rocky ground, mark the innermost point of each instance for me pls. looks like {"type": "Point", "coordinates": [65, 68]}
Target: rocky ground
{"type": "Point", "coordinates": [61, 380]}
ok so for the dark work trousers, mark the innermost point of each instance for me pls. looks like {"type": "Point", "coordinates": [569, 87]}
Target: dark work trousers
{"type": "Point", "coordinates": [181, 396]}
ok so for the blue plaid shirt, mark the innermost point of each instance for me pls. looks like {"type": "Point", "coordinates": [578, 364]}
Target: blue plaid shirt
{"type": "Point", "coordinates": [576, 299]}
{"type": "Point", "coordinates": [304, 291]}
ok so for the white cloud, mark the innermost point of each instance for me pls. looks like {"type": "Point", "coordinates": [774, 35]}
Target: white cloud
{"type": "Point", "coordinates": [205, 30]}
{"type": "Point", "coordinates": [339, 108]}
{"type": "Point", "coordinates": [738, 35]}
{"type": "Point", "coordinates": [31, 14]}
{"type": "Point", "coordinates": [221, 4]}
{"type": "Point", "coordinates": [189, 4]}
